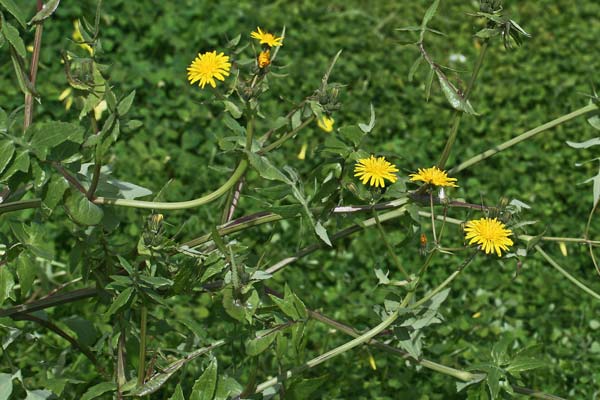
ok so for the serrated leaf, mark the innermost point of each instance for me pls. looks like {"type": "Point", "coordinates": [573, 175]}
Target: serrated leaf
{"type": "Point", "coordinates": [125, 104]}
{"type": "Point", "coordinates": [120, 301]}
{"type": "Point", "coordinates": [204, 387]}
{"type": "Point", "coordinates": [99, 389]}
{"type": "Point", "coordinates": [82, 210]}
{"type": "Point", "coordinates": [48, 9]}
{"type": "Point", "coordinates": [584, 145]}
{"type": "Point", "coordinates": [15, 11]}
{"type": "Point", "coordinates": [12, 35]}
{"type": "Point", "coordinates": [7, 149]}
{"type": "Point", "coordinates": [455, 99]}
{"type": "Point", "coordinates": [46, 135]}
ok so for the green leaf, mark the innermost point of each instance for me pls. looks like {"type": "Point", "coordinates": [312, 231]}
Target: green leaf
{"type": "Point", "coordinates": [322, 233]}
{"type": "Point", "coordinates": [84, 329]}
{"type": "Point", "coordinates": [368, 128]}
{"type": "Point", "coordinates": [430, 13]}
{"type": "Point", "coordinates": [305, 388]}
{"type": "Point", "coordinates": [353, 134]}
{"type": "Point", "coordinates": [232, 306]}
{"type": "Point", "coordinates": [584, 145]}
{"type": "Point", "coordinates": [525, 363]}
{"type": "Point", "coordinates": [20, 163]}
{"type": "Point", "coordinates": [455, 99]}
{"type": "Point", "coordinates": [233, 109]}
{"type": "Point", "coordinates": [291, 305]}
{"type": "Point", "coordinates": [500, 349]}
{"type": "Point", "coordinates": [204, 388]}
{"type": "Point", "coordinates": [233, 125]}
{"type": "Point", "coordinates": [428, 83]}
{"type": "Point", "coordinates": [12, 35]}
{"type": "Point", "coordinates": [82, 210]}
{"type": "Point", "coordinates": [48, 9]}
{"type": "Point", "coordinates": [55, 191]}
{"type": "Point", "coordinates": [266, 169]}
{"type": "Point", "coordinates": [16, 12]}
{"type": "Point", "coordinates": [486, 33]}
{"type": "Point", "coordinates": [98, 390]}
{"type": "Point", "coordinates": [26, 272]}
{"type": "Point", "coordinates": [120, 301]}
{"type": "Point", "coordinates": [594, 121]}
{"type": "Point", "coordinates": [178, 394]}
{"type": "Point", "coordinates": [6, 385]}
{"type": "Point", "coordinates": [20, 70]}
{"type": "Point", "coordinates": [493, 382]}
{"type": "Point", "coordinates": [46, 135]}
{"type": "Point", "coordinates": [39, 394]}
{"type": "Point", "coordinates": [7, 149]}
{"type": "Point", "coordinates": [125, 104]}
{"type": "Point", "coordinates": [261, 342]}
{"type": "Point", "coordinates": [413, 68]}
{"type": "Point", "coordinates": [227, 388]}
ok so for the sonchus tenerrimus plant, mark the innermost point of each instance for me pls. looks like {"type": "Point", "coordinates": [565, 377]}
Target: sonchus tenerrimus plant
{"type": "Point", "coordinates": [57, 176]}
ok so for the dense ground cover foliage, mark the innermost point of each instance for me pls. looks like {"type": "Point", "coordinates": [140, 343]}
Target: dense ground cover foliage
{"type": "Point", "coordinates": [176, 140]}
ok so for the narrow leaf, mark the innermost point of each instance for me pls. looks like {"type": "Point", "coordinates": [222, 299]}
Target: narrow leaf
{"type": "Point", "coordinates": [430, 13]}
{"type": "Point", "coordinates": [120, 301]}
{"type": "Point", "coordinates": [586, 144]}
{"type": "Point", "coordinates": [455, 99]}
{"type": "Point", "coordinates": [414, 68]}
{"type": "Point", "coordinates": [204, 388]}
{"type": "Point", "coordinates": [45, 12]}
{"type": "Point", "coordinates": [178, 394]}
{"type": "Point", "coordinates": [16, 12]}
{"type": "Point", "coordinates": [368, 128]}
{"type": "Point", "coordinates": [7, 149]}
{"type": "Point", "coordinates": [12, 35]}
{"type": "Point", "coordinates": [125, 104]}
{"type": "Point", "coordinates": [99, 389]}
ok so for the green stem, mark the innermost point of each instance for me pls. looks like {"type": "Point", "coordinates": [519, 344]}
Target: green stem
{"type": "Point", "coordinates": [390, 250]}
{"type": "Point", "coordinates": [364, 338]}
{"type": "Point", "coordinates": [20, 205]}
{"type": "Point", "coordinates": [458, 114]}
{"type": "Point", "coordinates": [432, 219]}
{"type": "Point", "coordinates": [142, 358]}
{"type": "Point", "coordinates": [35, 60]}
{"type": "Point", "coordinates": [179, 205]}
{"type": "Point", "coordinates": [527, 135]}
{"type": "Point", "coordinates": [566, 274]}
{"type": "Point", "coordinates": [286, 136]}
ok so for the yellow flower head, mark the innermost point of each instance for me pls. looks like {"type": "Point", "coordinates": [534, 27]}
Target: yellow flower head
{"type": "Point", "coordinates": [208, 66]}
{"type": "Point", "coordinates": [267, 38]}
{"type": "Point", "coordinates": [491, 234]}
{"type": "Point", "coordinates": [433, 176]}
{"type": "Point", "coordinates": [374, 170]}
{"type": "Point", "coordinates": [264, 58]}
{"type": "Point", "coordinates": [326, 123]}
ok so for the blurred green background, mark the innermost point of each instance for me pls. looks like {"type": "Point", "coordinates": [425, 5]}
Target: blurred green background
{"type": "Point", "coordinates": [148, 45]}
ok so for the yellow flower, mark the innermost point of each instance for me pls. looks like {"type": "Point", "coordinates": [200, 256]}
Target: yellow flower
{"type": "Point", "coordinates": [375, 170]}
{"type": "Point", "coordinates": [208, 66]}
{"type": "Point", "coordinates": [264, 58]}
{"type": "Point", "coordinates": [491, 234]}
{"type": "Point", "coordinates": [78, 38]}
{"type": "Point", "coordinates": [326, 123]}
{"type": "Point", "coordinates": [267, 38]}
{"type": "Point", "coordinates": [433, 176]}
{"type": "Point", "coordinates": [67, 97]}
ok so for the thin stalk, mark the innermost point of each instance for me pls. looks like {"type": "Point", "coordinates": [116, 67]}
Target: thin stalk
{"type": "Point", "coordinates": [527, 135]}
{"type": "Point", "coordinates": [432, 219]}
{"type": "Point", "coordinates": [97, 161]}
{"type": "Point", "coordinates": [20, 205]}
{"type": "Point", "coordinates": [390, 250]}
{"type": "Point", "coordinates": [54, 328]}
{"type": "Point", "coordinates": [566, 274]}
{"type": "Point", "coordinates": [458, 114]}
{"type": "Point", "coordinates": [179, 205]}
{"type": "Point", "coordinates": [286, 136]}
{"type": "Point", "coordinates": [35, 60]}
{"type": "Point", "coordinates": [586, 234]}
{"type": "Point", "coordinates": [364, 338]}
{"type": "Point", "coordinates": [142, 360]}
